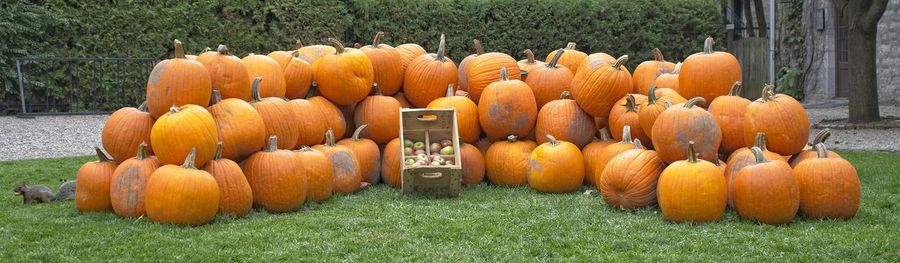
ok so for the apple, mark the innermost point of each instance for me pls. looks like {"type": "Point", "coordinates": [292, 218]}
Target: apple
{"type": "Point", "coordinates": [445, 143]}
{"type": "Point", "coordinates": [419, 146]}
{"type": "Point", "coordinates": [438, 159]}
{"type": "Point", "coordinates": [410, 161]}
{"type": "Point", "coordinates": [435, 163]}
{"type": "Point", "coordinates": [407, 143]}
{"type": "Point", "coordinates": [448, 163]}
{"type": "Point", "coordinates": [447, 150]}
{"type": "Point", "coordinates": [420, 151]}
{"type": "Point", "coordinates": [408, 151]}
{"type": "Point", "coordinates": [435, 147]}
{"type": "Point", "coordinates": [422, 156]}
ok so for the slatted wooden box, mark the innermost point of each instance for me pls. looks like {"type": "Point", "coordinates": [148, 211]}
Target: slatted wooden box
{"type": "Point", "coordinates": [430, 125]}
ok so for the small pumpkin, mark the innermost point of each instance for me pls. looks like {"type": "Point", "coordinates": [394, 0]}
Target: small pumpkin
{"type": "Point", "coordinates": [466, 114]}
{"type": "Point", "coordinates": [124, 130]}
{"type": "Point", "coordinates": [176, 82]}
{"type": "Point", "coordinates": [829, 186]}
{"type": "Point", "coordinates": [742, 158]}
{"type": "Point", "coordinates": [126, 191]}
{"type": "Point", "coordinates": [181, 194]}
{"type": "Point", "coordinates": [235, 194]}
{"type": "Point", "coordinates": [646, 73]}
{"type": "Point", "coordinates": [549, 81]}
{"type": "Point", "coordinates": [650, 111]}
{"type": "Point", "coordinates": [595, 60]}
{"type": "Point", "coordinates": [298, 77]}
{"type": "Point", "coordinates": [811, 153]}
{"type": "Point", "coordinates": [347, 173]}
{"type": "Point", "coordinates": [313, 53]}
{"type": "Point", "coordinates": [506, 162]}
{"type": "Point", "coordinates": [428, 76]}
{"type": "Point", "coordinates": [678, 125]}
{"type": "Point", "coordinates": [311, 121]}
{"type": "Point", "coordinates": [182, 129]}
{"type": "Point", "coordinates": [381, 114]}
{"type": "Point", "coordinates": [708, 74]}
{"type": "Point", "coordinates": [386, 63]}
{"type": "Point", "coordinates": [668, 80]}
{"type": "Point", "coordinates": [482, 71]}
{"type": "Point", "coordinates": [527, 64]}
{"type": "Point", "coordinates": [507, 107]}
{"type": "Point", "coordinates": [618, 119]}
{"type": "Point", "coordinates": [367, 153]}
{"type": "Point", "coordinates": [92, 189]}
{"type": "Point", "coordinates": [670, 95]}
{"type": "Point", "coordinates": [401, 98]}
{"type": "Point", "coordinates": [556, 167]}
{"type": "Point", "coordinates": [331, 114]}
{"type": "Point", "coordinates": [276, 178]}
{"type": "Point", "coordinates": [565, 121]}
{"type": "Point", "coordinates": [472, 162]}
{"type": "Point", "coordinates": [692, 190]}
{"type": "Point", "coordinates": [766, 191]}
{"type": "Point", "coordinates": [227, 73]}
{"type": "Point", "coordinates": [390, 163]}
{"type": "Point", "coordinates": [408, 52]}
{"type": "Point", "coordinates": [609, 152]}
{"type": "Point", "coordinates": [346, 77]}
{"type": "Point", "coordinates": [629, 179]}
{"type": "Point", "coordinates": [729, 112]}
{"type": "Point", "coordinates": [241, 129]}
{"type": "Point", "coordinates": [572, 58]}
{"type": "Point", "coordinates": [279, 117]}
{"type": "Point", "coordinates": [319, 173]}
{"type": "Point", "coordinates": [264, 67]}
{"type": "Point", "coordinates": [283, 57]}
{"type": "Point", "coordinates": [592, 152]}
{"type": "Point", "coordinates": [781, 117]}
{"type": "Point", "coordinates": [597, 89]}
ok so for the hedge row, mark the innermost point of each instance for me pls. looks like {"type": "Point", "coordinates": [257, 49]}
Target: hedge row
{"type": "Point", "coordinates": [145, 29]}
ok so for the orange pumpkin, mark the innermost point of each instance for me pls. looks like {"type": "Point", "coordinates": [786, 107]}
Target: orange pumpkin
{"type": "Point", "coordinates": [482, 72]}
{"type": "Point", "coordinates": [829, 186]}
{"type": "Point", "coordinates": [319, 173]}
{"type": "Point", "coordinates": [227, 72]}
{"type": "Point", "coordinates": [298, 77]}
{"type": "Point", "coordinates": [347, 173]}
{"type": "Point", "coordinates": [507, 107]}
{"type": "Point", "coordinates": [729, 114]}
{"type": "Point", "coordinates": [466, 114]}
{"type": "Point", "coordinates": [650, 111]}
{"type": "Point", "coordinates": [408, 52]}
{"type": "Point", "coordinates": [345, 77]}
{"type": "Point", "coordinates": [310, 120]}
{"type": "Point", "coordinates": [742, 158]}
{"type": "Point", "coordinates": [276, 178]}
{"type": "Point", "coordinates": [549, 81]}
{"type": "Point", "coordinates": [279, 116]}
{"type": "Point", "coordinates": [124, 130]}
{"type": "Point", "coordinates": [126, 191]}
{"type": "Point", "coordinates": [386, 63]}
{"type": "Point", "coordinates": [781, 117]}
{"type": "Point", "coordinates": [506, 162]}
{"type": "Point", "coordinates": [181, 195]}
{"type": "Point", "coordinates": [666, 94]}
{"type": "Point", "coordinates": [646, 73]}
{"type": "Point", "coordinates": [284, 57]}
{"type": "Point", "coordinates": [592, 152]}
{"type": "Point", "coordinates": [331, 114]}
{"type": "Point", "coordinates": [629, 179]}
{"type": "Point", "coordinates": [92, 189]}
{"type": "Point", "coordinates": [595, 60]}
{"type": "Point", "coordinates": [618, 119]}
{"type": "Point", "coordinates": [597, 89]}
{"type": "Point", "coordinates": [390, 163]}
{"type": "Point", "coordinates": [609, 152]}
{"type": "Point", "coordinates": [182, 129]}
{"type": "Point", "coordinates": [472, 163]}
{"type": "Point", "coordinates": [464, 65]}
{"type": "Point", "coordinates": [708, 74]}
{"type": "Point", "coordinates": [241, 129]}
{"type": "Point", "coordinates": [692, 190]}
{"type": "Point", "coordinates": [313, 53]}
{"type": "Point", "coordinates": [766, 191]}
{"type": "Point", "coordinates": [259, 66]}
{"type": "Point", "coordinates": [678, 125]}
{"type": "Point", "coordinates": [367, 153]}
{"type": "Point", "coordinates": [176, 82]}
{"type": "Point", "coordinates": [401, 98]}
{"type": "Point", "coordinates": [428, 76]}
{"type": "Point", "coordinates": [381, 114]}
{"type": "Point", "coordinates": [235, 194]}
{"type": "Point", "coordinates": [812, 152]}
{"type": "Point", "coordinates": [527, 64]}
{"type": "Point", "coordinates": [669, 80]}
{"type": "Point", "coordinates": [556, 167]}
{"type": "Point", "coordinates": [565, 121]}
{"type": "Point", "coordinates": [572, 58]}
{"type": "Point", "coordinates": [349, 111]}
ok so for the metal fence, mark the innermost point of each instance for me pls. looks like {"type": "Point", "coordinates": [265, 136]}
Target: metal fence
{"type": "Point", "coordinates": [65, 86]}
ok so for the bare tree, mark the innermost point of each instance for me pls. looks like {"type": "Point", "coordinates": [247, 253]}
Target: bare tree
{"type": "Point", "coordinates": [748, 16]}
{"type": "Point", "coordinates": [862, 21]}
{"type": "Point", "coordinates": [760, 17]}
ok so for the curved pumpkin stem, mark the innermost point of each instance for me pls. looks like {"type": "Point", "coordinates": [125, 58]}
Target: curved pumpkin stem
{"type": "Point", "coordinates": [735, 89]}
{"type": "Point", "coordinates": [298, 44]}
{"type": "Point", "coordinates": [555, 58]}
{"type": "Point", "coordinates": [768, 93]}
{"type": "Point", "coordinates": [358, 131]}
{"type": "Point", "coordinates": [821, 151]}
{"type": "Point", "coordinates": [667, 104]}
{"type": "Point", "coordinates": [626, 134]}
{"type": "Point", "coordinates": [761, 141]}
{"type": "Point", "coordinates": [254, 90]}
{"type": "Point", "coordinates": [620, 62]}
{"type": "Point", "coordinates": [693, 102]}
{"type": "Point", "coordinates": [272, 144]}
{"type": "Point", "coordinates": [174, 110]}
{"type": "Point", "coordinates": [222, 50]}
{"type": "Point", "coordinates": [313, 90]}
{"type": "Point", "coordinates": [189, 161]}
{"type": "Point", "coordinates": [570, 45]}
{"type": "Point", "coordinates": [604, 134]}
{"type": "Point", "coordinates": [708, 45]}
{"type": "Point", "coordinates": [504, 74]}
{"type": "Point", "coordinates": [441, 52]}
{"type": "Point", "coordinates": [758, 153]}
{"type": "Point", "coordinates": [377, 89]}
{"type": "Point", "coordinates": [179, 49]}
{"type": "Point", "coordinates": [512, 138]}
{"type": "Point", "coordinates": [142, 151]}
{"type": "Point", "coordinates": [677, 68]}
{"type": "Point", "coordinates": [637, 144]}
{"type": "Point", "coordinates": [143, 106]}
{"type": "Point", "coordinates": [219, 147]}
{"type": "Point", "coordinates": [450, 91]}
{"type": "Point", "coordinates": [338, 46]}
{"type": "Point", "coordinates": [630, 104]}
{"type": "Point", "coordinates": [329, 138]}
{"type": "Point", "coordinates": [206, 49]}
{"type": "Point", "coordinates": [295, 53]}
{"type": "Point", "coordinates": [479, 49]}
{"type": "Point", "coordinates": [357, 45]}
{"type": "Point", "coordinates": [529, 56]}
{"type": "Point", "coordinates": [305, 148]}
{"type": "Point", "coordinates": [377, 39]}
{"type": "Point", "coordinates": [651, 95]}
{"type": "Point", "coordinates": [565, 94]}
{"type": "Point", "coordinates": [658, 55]}
{"type": "Point", "coordinates": [552, 140]}
{"type": "Point", "coordinates": [821, 136]}
{"type": "Point", "coordinates": [215, 98]}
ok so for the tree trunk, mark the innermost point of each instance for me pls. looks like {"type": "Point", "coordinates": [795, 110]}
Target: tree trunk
{"type": "Point", "coordinates": [748, 16]}
{"type": "Point", "coordinates": [863, 80]}
{"type": "Point", "coordinates": [761, 17]}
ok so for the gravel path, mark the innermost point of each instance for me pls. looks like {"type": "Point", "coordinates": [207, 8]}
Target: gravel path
{"type": "Point", "coordinates": [58, 136]}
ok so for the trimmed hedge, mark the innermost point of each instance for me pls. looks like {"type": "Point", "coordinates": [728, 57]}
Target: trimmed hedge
{"type": "Point", "coordinates": [146, 29]}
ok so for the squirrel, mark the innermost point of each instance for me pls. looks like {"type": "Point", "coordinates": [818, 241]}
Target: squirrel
{"type": "Point", "coordinates": [43, 194]}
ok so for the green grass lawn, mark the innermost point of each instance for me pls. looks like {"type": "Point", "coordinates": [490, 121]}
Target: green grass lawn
{"type": "Point", "coordinates": [485, 223]}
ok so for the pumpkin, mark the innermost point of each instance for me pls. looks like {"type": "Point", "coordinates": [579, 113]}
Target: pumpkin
{"type": "Point", "coordinates": [227, 73]}
{"type": "Point", "coordinates": [176, 82]}
{"type": "Point", "coordinates": [527, 64]}
{"type": "Point", "coordinates": [646, 73]}
{"type": "Point", "coordinates": [472, 162]}
{"type": "Point", "coordinates": [482, 71]}
{"type": "Point", "coordinates": [812, 152]}
{"type": "Point", "coordinates": [781, 117]}
{"type": "Point", "coordinates": [666, 94]}
{"type": "Point", "coordinates": [592, 152]}
{"type": "Point", "coordinates": [310, 120]}
{"type": "Point", "coordinates": [92, 189]}
{"type": "Point", "coordinates": [565, 121]}
{"type": "Point", "coordinates": [367, 153]}
{"type": "Point", "coordinates": [235, 194]}
{"type": "Point", "coordinates": [506, 162]}
{"type": "Point", "coordinates": [181, 195]}
{"type": "Point", "coordinates": [182, 129]}
{"type": "Point", "coordinates": [483, 145]}
{"type": "Point", "coordinates": [331, 114]}
{"type": "Point", "coordinates": [618, 119]}
{"type": "Point", "coordinates": [556, 167]}
{"type": "Point", "coordinates": [319, 173]}
{"type": "Point", "coordinates": [743, 157]}
{"type": "Point", "coordinates": [829, 186]}
{"type": "Point", "coordinates": [298, 77]}
{"type": "Point", "coordinates": [595, 60]}
{"type": "Point", "coordinates": [381, 114]}
{"type": "Point", "coordinates": [729, 112]}
{"type": "Point", "coordinates": [609, 152]}
{"type": "Point", "coordinates": [124, 130]}
{"type": "Point", "coordinates": [347, 173]}
{"type": "Point", "coordinates": [279, 116]}
{"type": "Point", "coordinates": [678, 125]}
{"type": "Point", "coordinates": [348, 112]}
{"type": "Point", "coordinates": [279, 185]}
{"type": "Point", "coordinates": [390, 163]}
{"type": "Point", "coordinates": [126, 191]}
{"type": "Point", "coordinates": [241, 129]}
{"type": "Point", "coordinates": [466, 114]}
{"type": "Point", "coordinates": [345, 77]}
{"type": "Point", "coordinates": [464, 65]}
{"type": "Point", "coordinates": [259, 66]}
{"type": "Point", "coordinates": [650, 111]}
{"type": "Point", "coordinates": [708, 74]}
{"type": "Point", "coordinates": [669, 80]}
{"type": "Point", "coordinates": [549, 81]}
{"type": "Point", "coordinates": [401, 98]}
{"type": "Point", "coordinates": [597, 89]}
{"type": "Point", "coordinates": [507, 107]}
{"type": "Point", "coordinates": [572, 58]}
{"type": "Point", "coordinates": [386, 63]}
{"type": "Point", "coordinates": [284, 57]}
{"type": "Point", "coordinates": [766, 191]}
{"type": "Point", "coordinates": [428, 76]}
{"type": "Point", "coordinates": [629, 179]}
{"type": "Point", "coordinates": [313, 53]}
{"type": "Point", "coordinates": [692, 190]}
{"type": "Point", "coordinates": [408, 52]}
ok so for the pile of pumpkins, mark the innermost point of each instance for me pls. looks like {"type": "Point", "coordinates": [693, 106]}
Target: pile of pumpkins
{"type": "Point", "coordinates": [220, 134]}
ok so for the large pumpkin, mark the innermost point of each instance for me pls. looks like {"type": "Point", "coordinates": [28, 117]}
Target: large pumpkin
{"type": "Point", "coordinates": [811, 152]}
{"type": "Point", "coordinates": [182, 129]}
{"type": "Point", "coordinates": [729, 112]}
{"type": "Point", "coordinates": [259, 66]}
{"type": "Point", "coordinates": [124, 130]}
{"type": "Point", "coordinates": [708, 74]}
{"type": "Point", "coordinates": [391, 164]}
{"type": "Point", "coordinates": [766, 191]}
{"type": "Point", "coordinates": [678, 125]}
{"type": "Point", "coordinates": [331, 114]}
{"type": "Point", "coordinates": [549, 81]}
{"type": "Point", "coordinates": [629, 180]}
{"type": "Point", "coordinates": [464, 65]}
{"type": "Point", "coordinates": [367, 153]}
{"type": "Point", "coordinates": [345, 77]}
{"type": "Point", "coordinates": [241, 129]}
{"type": "Point", "coordinates": [408, 52]}
{"type": "Point", "coordinates": [781, 117]}
{"type": "Point", "coordinates": [506, 162]}
{"type": "Point", "coordinates": [556, 167]}
{"type": "Point", "coordinates": [669, 80]}
{"type": "Point", "coordinates": [609, 152]}
{"type": "Point", "coordinates": [92, 189]}
{"type": "Point", "coordinates": [466, 114]}
{"type": "Point", "coordinates": [227, 72]}
{"type": "Point", "coordinates": [646, 73]}
{"type": "Point", "coordinates": [595, 60]}
{"type": "Point", "coordinates": [692, 190]}
{"type": "Point", "coordinates": [319, 173]}
{"type": "Point", "coordinates": [572, 58]}
{"type": "Point", "coordinates": [381, 114]}
{"type": "Point", "coordinates": [428, 76]}
{"type": "Point", "coordinates": [181, 195]}
{"type": "Point", "coordinates": [472, 163]}
{"type": "Point", "coordinates": [126, 191]}
{"type": "Point", "coordinates": [235, 194]}
{"type": "Point", "coordinates": [527, 64]}
{"type": "Point", "coordinates": [592, 152]}
{"type": "Point", "coordinates": [565, 121]}
{"type": "Point", "coordinates": [400, 97]}
{"type": "Point", "coordinates": [597, 89]}
{"type": "Point", "coordinates": [276, 178]}
{"type": "Point", "coordinates": [176, 82]}
{"type": "Point", "coordinates": [829, 186]}
{"type": "Point", "coordinates": [650, 111]}
{"type": "Point", "coordinates": [482, 72]}
{"type": "Point", "coordinates": [347, 173]}
{"type": "Point", "coordinates": [387, 65]}
{"type": "Point", "coordinates": [619, 118]}
{"type": "Point", "coordinates": [507, 107]}
{"type": "Point", "coordinates": [310, 120]}
{"type": "Point", "coordinates": [742, 158]}
{"type": "Point", "coordinates": [279, 116]}
{"type": "Point", "coordinates": [298, 77]}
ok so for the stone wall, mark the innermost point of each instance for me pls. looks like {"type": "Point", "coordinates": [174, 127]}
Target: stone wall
{"type": "Point", "coordinates": [888, 54]}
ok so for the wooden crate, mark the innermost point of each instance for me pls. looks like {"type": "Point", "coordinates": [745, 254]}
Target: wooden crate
{"type": "Point", "coordinates": [430, 125]}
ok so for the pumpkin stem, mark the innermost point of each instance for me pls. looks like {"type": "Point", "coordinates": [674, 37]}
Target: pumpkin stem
{"type": "Point", "coordinates": [692, 154]}
{"type": "Point", "coordinates": [667, 104]}
{"type": "Point", "coordinates": [219, 147]}
{"type": "Point", "coordinates": [565, 94]}
{"type": "Point", "coordinates": [305, 148]}
{"type": "Point", "coordinates": [651, 95]}
{"type": "Point", "coordinates": [768, 93]}
{"type": "Point", "coordinates": [143, 106]}
{"type": "Point", "coordinates": [761, 140]}
{"type": "Point", "coordinates": [298, 44]}
{"type": "Point", "coordinates": [295, 53]}
{"type": "Point", "coordinates": [206, 49]}
{"type": "Point", "coordinates": [504, 74]}
{"type": "Point", "coordinates": [441, 52]}
{"type": "Point", "coordinates": [604, 134]}
{"type": "Point", "coordinates": [821, 136]}
{"type": "Point", "coordinates": [717, 162]}
{"type": "Point", "coordinates": [216, 97]}
{"type": "Point", "coordinates": [450, 91]}
{"type": "Point", "coordinates": [693, 102]}
{"type": "Point", "coordinates": [377, 39]}
{"type": "Point", "coordinates": [620, 62]}
{"type": "Point", "coordinates": [479, 49]}
{"type": "Point", "coordinates": [179, 49]}
{"type": "Point", "coordinates": [357, 45]}
{"type": "Point", "coordinates": [821, 150]}
{"type": "Point", "coordinates": [358, 131]}
{"type": "Point", "coordinates": [637, 144]}
{"type": "Point", "coordinates": [658, 55]}
{"type": "Point", "coordinates": [189, 161]}
{"type": "Point", "coordinates": [329, 138]}
{"type": "Point", "coordinates": [677, 68]}
{"type": "Point", "coordinates": [222, 49]}
{"type": "Point", "coordinates": [626, 134]}
{"type": "Point", "coordinates": [552, 140]}
{"type": "Point", "coordinates": [630, 104]}
{"type": "Point", "coordinates": [708, 45]}
{"type": "Point", "coordinates": [313, 90]}
{"type": "Point", "coordinates": [512, 138]}
{"type": "Point", "coordinates": [570, 45]}
{"type": "Point", "coordinates": [529, 55]}
{"type": "Point", "coordinates": [339, 48]}
{"type": "Point", "coordinates": [555, 58]}
{"type": "Point", "coordinates": [735, 89]}
{"type": "Point", "coordinates": [173, 109]}
{"type": "Point", "coordinates": [272, 144]}
{"type": "Point", "coordinates": [142, 151]}
{"type": "Point", "coordinates": [254, 90]}
{"type": "Point", "coordinates": [377, 89]}
{"type": "Point", "coordinates": [758, 153]}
